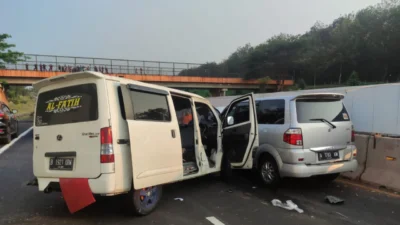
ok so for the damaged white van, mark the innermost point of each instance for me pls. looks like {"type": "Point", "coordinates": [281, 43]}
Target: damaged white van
{"type": "Point", "coordinates": [103, 135]}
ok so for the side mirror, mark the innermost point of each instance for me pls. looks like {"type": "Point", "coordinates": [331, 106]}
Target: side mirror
{"type": "Point", "coordinates": [14, 111]}
{"type": "Point", "coordinates": [230, 120]}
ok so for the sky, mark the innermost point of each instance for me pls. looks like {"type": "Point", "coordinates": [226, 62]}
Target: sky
{"type": "Point", "coordinates": [163, 30]}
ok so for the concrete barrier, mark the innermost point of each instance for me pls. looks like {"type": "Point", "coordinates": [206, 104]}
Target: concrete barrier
{"type": "Point", "coordinates": [361, 142]}
{"type": "Point", "coordinates": [383, 166]}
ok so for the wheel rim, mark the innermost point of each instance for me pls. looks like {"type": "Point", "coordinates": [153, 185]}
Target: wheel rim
{"type": "Point", "coordinates": [148, 197]}
{"type": "Point", "coordinates": [268, 172]}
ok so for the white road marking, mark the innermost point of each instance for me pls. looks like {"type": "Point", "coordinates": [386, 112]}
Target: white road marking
{"type": "Point", "coordinates": [7, 146]}
{"type": "Point", "coordinates": [214, 220]}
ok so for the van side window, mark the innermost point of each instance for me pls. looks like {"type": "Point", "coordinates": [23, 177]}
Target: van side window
{"type": "Point", "coordinates": [240, 112]}
{"type": "Point", "coordinates": [271, 111]}
{"type": "Point", "coordinates": [148, 106]}
{"type": "Point", "coordinates": [121, 103]}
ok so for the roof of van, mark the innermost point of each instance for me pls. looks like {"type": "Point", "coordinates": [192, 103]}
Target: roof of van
{"type": "Point", "coordinates": [86, 74]}
{"type": "Point", "coordinates": [225, 100]}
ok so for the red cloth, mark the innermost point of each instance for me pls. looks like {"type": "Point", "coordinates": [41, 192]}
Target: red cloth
{"type": "Point", "coordinates": [76, 193]}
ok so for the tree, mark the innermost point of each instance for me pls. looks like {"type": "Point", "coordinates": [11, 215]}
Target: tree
{"type": "Point", "coordinates": [6, 55]}
{"type": "Point", "coordinates": [353, 80]}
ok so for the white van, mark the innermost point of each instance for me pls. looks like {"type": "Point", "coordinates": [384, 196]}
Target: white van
{"type": "Point", "coordinates": [122, 136]}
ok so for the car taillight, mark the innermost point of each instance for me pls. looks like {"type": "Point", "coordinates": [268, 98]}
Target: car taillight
{"type": "Point", "coordinates": [293, 136]}
{"type": "Point", "coordinates": [353, 134]}
{"type": "Point", "coordinates": [106, 149]}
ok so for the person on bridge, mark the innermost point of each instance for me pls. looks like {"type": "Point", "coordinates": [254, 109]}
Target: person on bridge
{"type": "Point", "coordinates": [44, 67]}
{"type": "Point", "coordinates": [35, 67]}
{"type": "Point", "coordinates": [27, 66]}
{"type": "Point", "coordinates": [135, 70]}
{"type": "Point", "coordinates": [41, 67]}
{"type": "Point", "coordinates": [106, 70]}
{"type": "Point", "coordinates": [51, 67]}
{"type": "Point", "coordinates": [59, 68]}
{"type": "Point", "coordinates": [141, 70]}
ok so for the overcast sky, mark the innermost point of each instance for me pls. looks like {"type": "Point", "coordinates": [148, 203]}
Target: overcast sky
{"type": "Point", "coordinates": [165, 30]}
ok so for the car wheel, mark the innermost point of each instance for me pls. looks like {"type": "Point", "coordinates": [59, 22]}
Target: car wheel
{"type": "Point", "coordinates": [328, 177]}
{"type": "Point", "coordinates": [16, 134]}
{"type": "Point", "coordinates": [269, 172]}
{"type": "Point", "coordinates": [8, 138]}
{"type": "Point", "coordinates": [143, 201]}
{"type": "Point", "coordinates": [226, 168]}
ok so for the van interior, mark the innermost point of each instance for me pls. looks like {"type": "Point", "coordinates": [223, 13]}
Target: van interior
{"type": "Point", "coordinates": [208, 132]}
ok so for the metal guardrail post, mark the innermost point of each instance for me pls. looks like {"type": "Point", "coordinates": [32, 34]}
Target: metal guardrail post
{"type": "Point", "coordinates": [111, 66]}
{"type": "Point", "coordinates": [159, 68]}
{"type": "Point", "coordinates": [144, 67]}
{"type": "Point", "coordinates": [173, 69]}
{"type": "Point", "coordinates": [127, 66]}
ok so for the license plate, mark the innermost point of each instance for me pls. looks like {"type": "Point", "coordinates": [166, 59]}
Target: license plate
{"type": "Point", "coordinates": [61, 163]}
{"type": "Point", "coordinates": [328, 155]}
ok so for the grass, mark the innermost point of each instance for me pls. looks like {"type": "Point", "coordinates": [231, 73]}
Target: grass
{"type": "Point", "coordinates": [24, 105]}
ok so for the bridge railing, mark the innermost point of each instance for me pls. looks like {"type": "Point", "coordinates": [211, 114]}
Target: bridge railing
{"type": "Point", "coordinates": [119, 66]}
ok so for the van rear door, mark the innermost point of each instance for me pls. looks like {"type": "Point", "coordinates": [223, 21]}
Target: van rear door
{"type": "Point", "coordinates": [325, 125]}
{"type": "Point", "coordinates": [154, 136]}
{"type": "Point", "coordinates": [68, 118]}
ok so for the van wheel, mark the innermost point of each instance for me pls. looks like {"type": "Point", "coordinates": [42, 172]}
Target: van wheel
{"type": "Point", "coordinates": [269, 172]}
{"type": "Point", "coordinates": [328, 177]}
{"type": "Point", "coordinates": [226, 169]}
{"type": "Point", "coordinates": [143, 201]}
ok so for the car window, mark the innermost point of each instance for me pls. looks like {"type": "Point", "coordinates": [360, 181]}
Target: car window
{"type": "Point", "coordinates": [205, 114]}
{"type": "Point", "coordinates": [332, 110]}
{"type": "Point", "coordinates": [271, 111]}
{"type": "Point", "coordinates": [149, 106]}
{"type": "Point", "coordinates": [71, 104]}
{"type": "Point", "coordinates": [6, 109]}
{"type": "Point", "coordinates": [239, 111]}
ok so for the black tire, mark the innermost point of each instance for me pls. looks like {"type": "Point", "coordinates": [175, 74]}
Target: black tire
{"type": "Point", "coordinates": [226, 169]}
{"type": "Point", "coordinates": [8, 138]}
{"type": "Point", "coordinates": [328, 177]}
{"type": "Point", "coordinates": [16, 134]}
{"type": "Point", "coordinates": [143, 201]}
{"type": "Point", "coordinates": [268, 172]}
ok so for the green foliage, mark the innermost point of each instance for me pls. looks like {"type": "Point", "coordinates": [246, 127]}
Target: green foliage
{"type": "Point", "coordinates": [353, 79]}
{"type": "Point", "coordinates": [301, 84]}
{"type": "Point", "coordinates": [6, 55]}
{"type": "Point", "coordinates": [365, 41]}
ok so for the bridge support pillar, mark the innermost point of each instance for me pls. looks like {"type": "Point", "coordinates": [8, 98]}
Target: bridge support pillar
{"type": "Point", "coordinates": [218, 92]}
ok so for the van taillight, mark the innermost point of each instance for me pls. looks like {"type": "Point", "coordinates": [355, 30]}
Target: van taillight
{"type": "Point", "coordinates": [106, 149]}
{"type": "Point", "coordinates": [353, 134]}
{"type": "Point", "coordinates": [293, 136]}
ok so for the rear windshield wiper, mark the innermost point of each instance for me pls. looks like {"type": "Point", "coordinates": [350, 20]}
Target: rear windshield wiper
{"type": "Point", "coordinates": [324, 120]}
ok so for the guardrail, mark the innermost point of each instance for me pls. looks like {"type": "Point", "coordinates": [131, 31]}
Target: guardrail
{"type": "Point", "coordinates": [116, 66]}
{"type": "Point", "coordinates": [120, 66]}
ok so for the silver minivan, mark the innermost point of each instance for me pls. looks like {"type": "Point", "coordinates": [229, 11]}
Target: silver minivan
{"type": "Point", "coordinates": [303, 135]}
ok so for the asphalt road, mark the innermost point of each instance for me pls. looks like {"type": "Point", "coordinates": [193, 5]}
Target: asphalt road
{"type": "Point", "coordinates": [241, 202]}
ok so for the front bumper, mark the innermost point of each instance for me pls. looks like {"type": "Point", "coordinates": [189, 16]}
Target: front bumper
{"type": "Point", "coordinates": [303, 170]}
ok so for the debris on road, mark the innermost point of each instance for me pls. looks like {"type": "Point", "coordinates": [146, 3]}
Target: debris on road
{"type": "Point", "coordinates": [334, 200]}
{"type": "Point", "coordinates": [289, 205]}
{"type": "Point", "coordinates": [254, 187]}
{"type": "Point", "coordinates": [178, 199]}
{"type": "Point", "coordinates": [229, 191]}
{"type": "Point", "coordinates": [265, 203]}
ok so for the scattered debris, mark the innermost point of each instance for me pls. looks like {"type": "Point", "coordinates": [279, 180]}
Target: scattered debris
{"type": "Point", "coordinates": [265, 203]}
{"type": "Point", "coordinates": [334, 200]}
{"type": "Point", "coordinates": [356, 194]}
{"type": "Point", "coordinates": [312, 217]}
{"type": "Point", "coordinates": [341, 215]}
{"type": "Point", "coordinates": [180, 199]}
{"type": "Point", "coordinates": [254, 187]}
{"type": "Point", "coordinates": [289, 205]}
{"type": "Point", "coordinates": [229, 191]}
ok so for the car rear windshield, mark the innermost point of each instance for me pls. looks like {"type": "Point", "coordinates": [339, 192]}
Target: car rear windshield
{"type": "Point", "coordinates": [71, 104]}
{"type": "Point", "coordinates": [331, 110]}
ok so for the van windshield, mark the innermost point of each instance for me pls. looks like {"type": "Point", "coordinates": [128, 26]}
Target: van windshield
{"type": "Point", "coordinates": [309, 110]}
{"type": "Point", "coordinates": [71, 104]}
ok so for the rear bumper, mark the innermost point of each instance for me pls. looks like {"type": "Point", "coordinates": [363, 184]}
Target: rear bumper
{"type": "Point", "coordinates": [103, 185]}
{"type": "Point", "coordinates": [303, 170]}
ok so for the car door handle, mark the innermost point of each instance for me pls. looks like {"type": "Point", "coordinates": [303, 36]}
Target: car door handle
{"type": "Point", "coordinates": [173, 133]}
{"type": "Point", "coordinates": [123, 141]}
